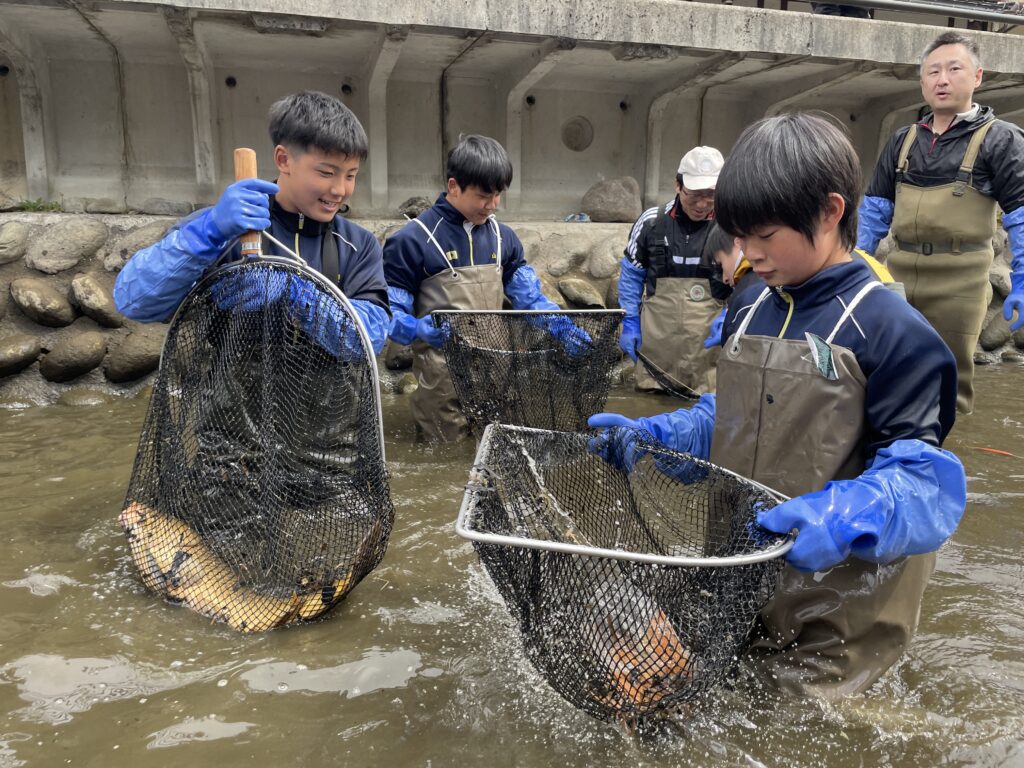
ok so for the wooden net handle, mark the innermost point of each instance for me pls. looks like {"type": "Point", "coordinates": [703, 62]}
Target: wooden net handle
{"type": "Point", "coordinates": [245, 168]}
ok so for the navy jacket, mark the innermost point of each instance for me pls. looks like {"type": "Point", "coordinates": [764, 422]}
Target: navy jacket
{"type": "Point", "coordinates": [911, 374]}
{"type": "Point", "coordinates": [410, 257]}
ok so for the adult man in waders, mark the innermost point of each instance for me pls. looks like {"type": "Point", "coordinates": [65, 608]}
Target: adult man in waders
{"type": "Point", "coordinates": [833, 391]}
{"type": "Point", "coordinates": [455, 255]}
{"type": "Point", "coordinates": [937, 186]}
{"type": "Point", "coordinates": [668, 285]}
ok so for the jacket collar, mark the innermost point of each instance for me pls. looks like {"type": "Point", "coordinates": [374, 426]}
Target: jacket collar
{"type": "Point", "coordinates": [448, 211]}
{"type": "Point", "coordinates": [825, 286]}
{"type": "Point", "coordinates": [296, 222]}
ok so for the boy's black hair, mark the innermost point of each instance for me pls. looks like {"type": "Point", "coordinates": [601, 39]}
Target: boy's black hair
{"type": "Point", "coordinates": [718, 240]}
{"type": "Point", "coordinates": [953, 38]}
{"type": "Point", "coordinates": [314, 120]}
{"type": "Point", "coordinates": [782, 170]}
{"type": "Point", "coordinates": [482, 162]}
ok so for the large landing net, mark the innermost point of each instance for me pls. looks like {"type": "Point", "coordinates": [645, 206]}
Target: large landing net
{"type": "Point", "coordinates": [259, 495]}
{"type": "Point", "coordinates": [634, 593]}
{"type": "Point", "coordinates": [550, 370]}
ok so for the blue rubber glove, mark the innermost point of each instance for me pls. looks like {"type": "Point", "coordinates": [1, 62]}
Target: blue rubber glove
{"type": "Point", "coordinates": [425, 331]}
{"type": "Point", "coordinates": [714, 338]}
{"type": "Point", "coordinates": [243, 207]}
{"type": "Point", "coordinates": [1013, 223]}
{"type": "Point", "coordinates": [249, 290]}
{"type": "Point", "coordinates": [630, 340]}
{"type": "Point", "coordinates": [616, 443]}
{"type": "Point", "coordinates": [1015, 301]}
{"type": "Point", "coordinates": [907, 502]}
{"type": "Point", "coordinates": [873, 220]}
{"type": "Point", "coordinates": [574, 339]}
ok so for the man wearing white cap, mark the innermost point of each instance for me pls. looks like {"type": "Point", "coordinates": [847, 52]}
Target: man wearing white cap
{"type": "Point", "coordinates": [668, 284]}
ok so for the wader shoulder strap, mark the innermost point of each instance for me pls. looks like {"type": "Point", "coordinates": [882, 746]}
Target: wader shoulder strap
{"type": "Point", "coordinates": [852, 306]}
{"type": "Point", "coordinates": [963, 176]}
{"type": "Point", "coordinates": [902, 161]}
{"type": "Point", "coordinates": [734, 347]}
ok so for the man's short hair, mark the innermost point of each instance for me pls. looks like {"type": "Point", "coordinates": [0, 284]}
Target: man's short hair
{"type": "Point", "coordinates": [718, 240]}
{"type": "Point", "coordinates": [953, 38]}
{"type": "Point", "coordinates": [782, 170]}
{"type": "Point", "coordinates": [314, 120]}
{"type": "Point", "coordinates": [480, 161]}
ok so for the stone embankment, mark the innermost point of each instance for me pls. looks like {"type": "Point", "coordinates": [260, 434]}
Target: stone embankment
{"type": "Point", "coordinates": [62, 339]}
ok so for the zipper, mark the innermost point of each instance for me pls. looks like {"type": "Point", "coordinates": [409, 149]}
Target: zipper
{"type": "Point", "coordinates": [789, 315]}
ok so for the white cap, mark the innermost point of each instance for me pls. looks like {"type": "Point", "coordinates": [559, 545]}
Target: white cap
{"type": "Point", "coordinates": [700, 168]}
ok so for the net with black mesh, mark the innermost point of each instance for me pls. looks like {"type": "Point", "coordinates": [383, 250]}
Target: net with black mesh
{"type": "Point", "coordinates": [634, 592]}
{"type": "Point", "coordinates": [259, 494]}
{"type": "Point", "coordinates": [550, 370]}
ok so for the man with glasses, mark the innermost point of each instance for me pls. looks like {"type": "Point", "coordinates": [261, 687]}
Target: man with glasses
{"type": "Point", "coordinates": [669, 286]}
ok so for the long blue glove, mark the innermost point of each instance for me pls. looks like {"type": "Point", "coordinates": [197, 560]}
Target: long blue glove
{"type": "Point", "coordinates": [873, 220]}
{"type": "Point", "coordinates": [630, 339]}
{"type": "Point", "coordinates": [243, 207]}
{"type": "Point", "coordinates": [1013, 222]}
{"type": "Point", "coordinates": [908, 501]}
{"type": "Point", "coordinates": [318, 316]}
{"type": "Point", "coordinates": [425, 331]}
{"type": "Point", "coordinates": [631, 287]}
{"type": "Point", "coordinates": [574, 339]}
{"type": "Point", "coordinates": [714, 338]}
{"type": "Point", "coordinates": [686, 430]}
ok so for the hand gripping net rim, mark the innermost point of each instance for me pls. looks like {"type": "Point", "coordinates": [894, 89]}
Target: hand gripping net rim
{"type": "Point", "coordinates": [259, 494]}
{"type": "Point", "coordinates": [506, 367]}
{"type": "Point", "coordinates": [624, 634]}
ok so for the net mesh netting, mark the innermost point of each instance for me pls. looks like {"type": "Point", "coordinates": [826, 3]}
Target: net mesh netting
{"type": "Point", "coordinates": [550, 370]}
{"type": "Point", "coordinates": [259, 494]}
{"type": "Point", "coordinates": [624, 641]}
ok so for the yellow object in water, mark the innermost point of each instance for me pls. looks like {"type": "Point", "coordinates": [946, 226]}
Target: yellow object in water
{"type": "Point", "coordinates": [175, 562]}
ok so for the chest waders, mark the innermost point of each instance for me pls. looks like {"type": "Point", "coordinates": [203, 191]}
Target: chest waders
{"type": "Point", "coordinates": [784, 422]}
{"type": "Point", "coordinates": [675, 320]}
{"type": "Point", "coordinates": [434, 403]}
{"type": "Point", "coordinates": [943, 254]}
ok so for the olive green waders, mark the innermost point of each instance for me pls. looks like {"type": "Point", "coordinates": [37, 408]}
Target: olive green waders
{"type": "Point", "coordinates": [793, 423]}
{"type": "Point", "coordinates": [943, 254]}
{"type": "Point", "coordinates": [434, 403]}
{"type": "Point", "coordinates": [674, 323]}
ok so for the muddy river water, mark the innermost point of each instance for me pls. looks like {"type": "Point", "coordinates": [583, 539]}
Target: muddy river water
{"type": "Point", "coordinates": [420, 665]}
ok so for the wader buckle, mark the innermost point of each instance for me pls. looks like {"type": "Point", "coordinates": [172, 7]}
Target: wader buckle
{"type": "Point", "coordinates": [927, 249]}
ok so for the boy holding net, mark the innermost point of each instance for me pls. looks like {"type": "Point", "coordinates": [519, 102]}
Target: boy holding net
{"type": "Point", "coordinates": [318, 147]}
{"type": "Point", "coordinates": [833, 391]}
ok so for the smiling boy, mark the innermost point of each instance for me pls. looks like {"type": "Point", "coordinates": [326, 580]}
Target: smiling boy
{"type": "Point", "coordinates": [319, 145]}
{"type": "Point", "coordinates": [833, 391]}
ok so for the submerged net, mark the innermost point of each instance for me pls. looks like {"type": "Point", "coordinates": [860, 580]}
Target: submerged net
{"type": "Point", "coordinates": [622, 639]}
{"type": "Point", "coordinates": [259, 495]}
{"type": "Point", "coordinates": [550, 370]}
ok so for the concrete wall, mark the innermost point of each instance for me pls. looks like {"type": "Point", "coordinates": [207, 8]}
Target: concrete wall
{"type": "Point", "coordinates": [120, 105]}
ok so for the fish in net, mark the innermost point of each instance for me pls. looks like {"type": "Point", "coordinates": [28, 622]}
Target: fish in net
{"type": "Point", "coordinates": [634, 593]}
{"type": "Point", "coordinates": [549, 370]}
{"type": "Point", "coordinates": [259, 495]}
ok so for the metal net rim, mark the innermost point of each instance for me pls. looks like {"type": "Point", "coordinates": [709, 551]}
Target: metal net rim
{"type": "Point", "coordinates": [475, 486]}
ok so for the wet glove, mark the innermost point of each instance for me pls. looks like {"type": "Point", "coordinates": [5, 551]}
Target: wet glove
{"type": "Point", "coordinates": [425, 331]}
{"type": "Point", "coordinates": [686, 430]}
{"type": "Point", "coordinates": [714, 338]}
{"type": "Point", "coordinates": [243, 207]}
{"type": "Point", "coordinates": [1015, 301]}
{"type": "Point", "coordinates": [574, 339]}
{"type": "Point", "coordinates": [630, 339]}
{"type": "Point", "coordinates": [616, 443]}
{"type": "Point", "coordinates": [908, 501]}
